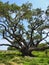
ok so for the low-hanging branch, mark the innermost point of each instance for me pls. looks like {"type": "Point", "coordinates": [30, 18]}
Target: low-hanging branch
{"type": "Point", "coordinates": [9, 45]}
{"type": "Point", "coordinates": [39, 49]}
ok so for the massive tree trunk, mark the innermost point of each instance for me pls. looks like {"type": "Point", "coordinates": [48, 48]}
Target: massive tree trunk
{"type": "Point", "coordinates": [26, 52]}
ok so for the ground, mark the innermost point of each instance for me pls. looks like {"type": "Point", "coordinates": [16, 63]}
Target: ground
{"type": "Point", "coordinates": [15, 58]}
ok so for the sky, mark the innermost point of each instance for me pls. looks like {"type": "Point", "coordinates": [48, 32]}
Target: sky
{"type": "Point", "coordinates": [36, 4]}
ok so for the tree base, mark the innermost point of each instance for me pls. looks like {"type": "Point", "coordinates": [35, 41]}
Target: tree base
{"type": "Point", "coordinates": [27, 53]}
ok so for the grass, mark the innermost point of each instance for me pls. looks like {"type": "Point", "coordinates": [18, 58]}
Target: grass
{"type": "Point", "coordinates": [15, 58]}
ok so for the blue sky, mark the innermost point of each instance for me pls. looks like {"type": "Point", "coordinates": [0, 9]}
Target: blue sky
{"type": "Point", "coordinates": [36, 4]}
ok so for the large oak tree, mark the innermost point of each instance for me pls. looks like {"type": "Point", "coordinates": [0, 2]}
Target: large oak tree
{"type": "Point", "coordinates": [23, 26]}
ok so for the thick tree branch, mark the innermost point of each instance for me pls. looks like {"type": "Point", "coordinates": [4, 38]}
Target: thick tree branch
{"type": "Point", "coordinates": [8, 40]}
{"type": "Point", "coordinates": [31, 40]}
{"type": "Point", "coordinates": [39, 49]}
{"type": "Point", "coordinates": [9, 45]}
{"type": "Point", "coordinates": [42, 39]}
{"type": "Point", "coordinates": [3, 25]}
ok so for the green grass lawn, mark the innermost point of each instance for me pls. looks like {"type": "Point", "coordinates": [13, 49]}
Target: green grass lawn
{"type": "Point", "coordinates": [15, 58]}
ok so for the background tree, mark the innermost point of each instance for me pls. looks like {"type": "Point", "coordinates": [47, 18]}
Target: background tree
{"type": "Point", "coordinates": [12, 26]}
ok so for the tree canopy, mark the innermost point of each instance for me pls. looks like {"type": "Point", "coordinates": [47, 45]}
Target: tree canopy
{"type": "Point", "coordinates": [12, 26]}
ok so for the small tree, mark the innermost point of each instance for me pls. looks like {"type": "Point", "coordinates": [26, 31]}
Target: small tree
{"type": "Point", "coordinates": [12, 26]}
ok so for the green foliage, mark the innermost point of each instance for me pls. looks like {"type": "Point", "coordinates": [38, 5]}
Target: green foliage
{"type": "Point", "coordinates": [42, 45]}
{"type": "Point", "coordinates": [33, 17]}
{"type": "Point", "coordinates": [11, 48]}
